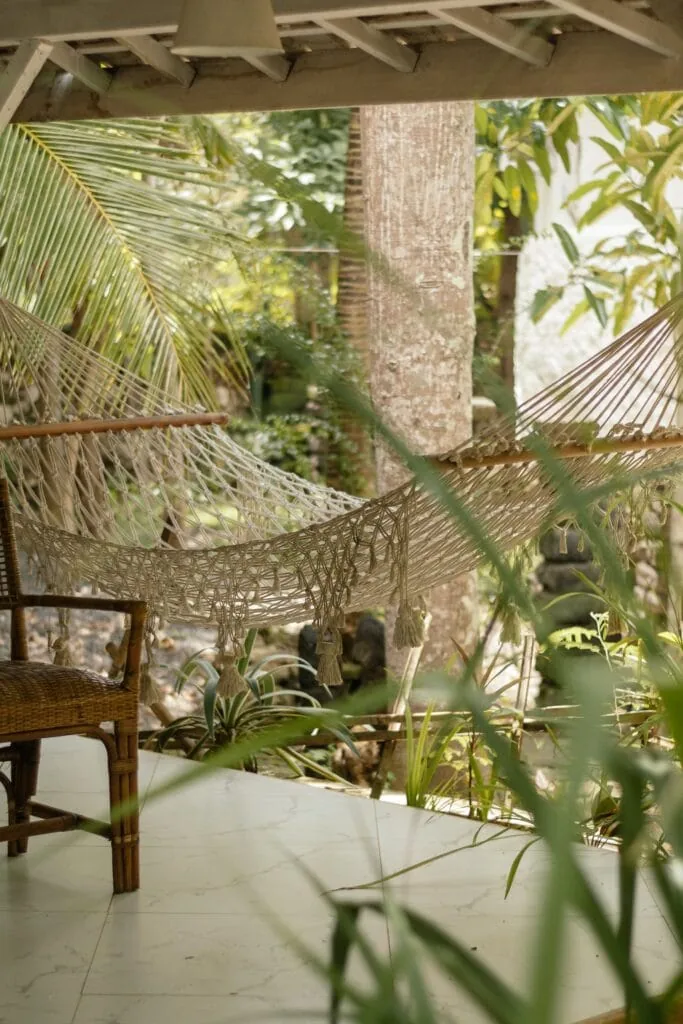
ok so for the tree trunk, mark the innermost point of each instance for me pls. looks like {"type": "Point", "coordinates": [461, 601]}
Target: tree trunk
{"type": "Point", "coordinates": [419, 181]}
{"type": "Point", "coordinates": [352, 303]}
{"type": "Point", "coordinates": [507, 296]}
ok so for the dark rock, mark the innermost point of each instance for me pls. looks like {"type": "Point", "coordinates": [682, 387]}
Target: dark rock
{"type": "Point", "coordinates": [573, 610]}
{"type": "Point", "coordinates": [562, 577]}
{"type": "Point", "coordinates": [306, 649]}
{"type": "Point", "coordinates": [578, 548]}
{"type": "Point", "coordinates": [368, 651]}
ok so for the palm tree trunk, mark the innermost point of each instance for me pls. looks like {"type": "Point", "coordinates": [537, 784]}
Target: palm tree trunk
{"type": "Point", "coordinates": [507, 296]}
{"type": "Point", "coordinates": [418, 162]}
{"type": "Point", "coordinates": [352, 303]}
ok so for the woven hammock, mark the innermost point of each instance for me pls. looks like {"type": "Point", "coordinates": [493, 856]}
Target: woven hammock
{"type": "Point", "coordinates": [204, 531]}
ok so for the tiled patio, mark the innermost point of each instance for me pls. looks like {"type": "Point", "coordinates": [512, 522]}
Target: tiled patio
{"type": "Point", "coordinates": [197, 944]}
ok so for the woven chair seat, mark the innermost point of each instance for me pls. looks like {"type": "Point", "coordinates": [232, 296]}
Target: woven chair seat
{"type": "Point", "coordinates": [35, 695]}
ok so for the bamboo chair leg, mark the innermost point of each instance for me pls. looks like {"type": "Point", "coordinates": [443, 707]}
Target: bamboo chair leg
{"type": "Point", "coordinates": [123, 791]}
{"type": "Point", "coordinates": [24, 786]}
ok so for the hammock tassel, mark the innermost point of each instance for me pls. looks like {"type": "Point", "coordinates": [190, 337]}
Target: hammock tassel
{"type": "Point", "coordinates": [329, 648]}
{"type": "Point", "coordinates": [62, 652]}
{"type": "Point", "coordinates": [230, 682]}
{"type": "Point", "coordinates": [61, 645]}
{"type": "Point", "coordinates": [149, 690]}
{"type": "Point", "coordinates": [118, 653]}
{"type": "Point", "coordinates": [409, 630]}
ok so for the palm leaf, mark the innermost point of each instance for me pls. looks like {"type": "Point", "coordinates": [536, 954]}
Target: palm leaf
{"type": "Point", "coordinates": [114, 226]}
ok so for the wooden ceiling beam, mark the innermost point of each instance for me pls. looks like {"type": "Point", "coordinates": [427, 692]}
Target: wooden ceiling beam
{"type": "Point", "coordinates": [378, 44]}
{"type": "Point", "coordinates": [158, 56]}
{"type": "Point", "coordinates": [19, 75]}
{"type": "Point", "coordinates": [81, 67]}
{"type": "Point", "coordinates": [297, 11]}
{"type": "Point", "coordinates": [97, 19]}
{"type": "Point", "coordinates": [670, 12]}
{"type": "Point", "coordinates": [273, 65]}
{"type": "Point", "coordinates": [628, 24]}
{"type": "Point", "coordinates": [517, 41]}
{"type": "Point", "coordinates": [584, 63]}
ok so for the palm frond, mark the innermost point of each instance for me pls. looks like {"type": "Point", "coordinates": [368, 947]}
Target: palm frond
{"type": "Point", "coordinates": [118, 227]}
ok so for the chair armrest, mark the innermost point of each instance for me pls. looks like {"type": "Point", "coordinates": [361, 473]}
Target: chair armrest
{"type": "Point", "coordinates": [136, 609]}
{"type": "Point", "coordinates": [101, 604]}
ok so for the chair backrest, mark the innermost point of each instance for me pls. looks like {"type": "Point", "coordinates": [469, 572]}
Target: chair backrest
{"type": "Point", "coordinates": [10, 580]}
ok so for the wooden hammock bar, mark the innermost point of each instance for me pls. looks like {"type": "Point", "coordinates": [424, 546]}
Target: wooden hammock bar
{"type": "Point", "coordinates": [606, 446]}
{"type": "Point", "coordinates": [23, 431]}
{"type": "Point", "coordinates": [385, 727]}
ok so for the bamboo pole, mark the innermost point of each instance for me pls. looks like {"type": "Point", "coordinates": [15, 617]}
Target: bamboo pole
{"type": "Point", "coordinates": [398, 712]}
{"type": "Point", "coordinates": [606, 446]}
{"type": "Point", "coordinates": [23, 431]}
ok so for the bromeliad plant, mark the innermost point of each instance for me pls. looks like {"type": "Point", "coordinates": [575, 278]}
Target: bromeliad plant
{"type": "Point", "coordinates": [229, 719]}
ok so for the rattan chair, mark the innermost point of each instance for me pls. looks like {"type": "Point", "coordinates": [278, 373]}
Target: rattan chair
{"type": "Point", "coordinates": [38, 701]}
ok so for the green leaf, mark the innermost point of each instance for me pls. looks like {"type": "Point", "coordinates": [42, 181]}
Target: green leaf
{"type": "Point", "coordinates": [481, 121]}
{"type": "Point", "coordinates": [642, 214]}
{"type": "Point", "coordinates": [584, 190]}
{"type": "Point", "coordinates": [560, 139]}
{"type": "Point", "coordinates": [514, 867]}
{"type": "Point", "coordinates": [613, 153]}
{"type": "Point", "coordinates": [243, 663]}
{"type": "Point", "coordinates": [500, 1002]}
{"type": "Point", "coordinates": [344, 938]}
{"type": "Point", "coordinates": [210, 698]}
{"type": "Point", "coordinates": [542, 161]}
{"type": "Point", "coordinates": [118, 211]}
{"type": "Point", "coordinates": [597, 304]}
{"type": "Point", "coordinates": [544, 299]}
{"type": "Point", "coordinates": [568, 244]}
{"type": "Point", "coordinates": [579, 310]}
{"type": "Point", "coordinates": [500, 189]}
{"type": "Point", "coordinates": [601, 205]}
{"type": "Point", "coordinates": [514, 190]}
{"type": "Point", "coordinates": [663, 171]}
{"type": "Point", "coordinates": [528, 179]}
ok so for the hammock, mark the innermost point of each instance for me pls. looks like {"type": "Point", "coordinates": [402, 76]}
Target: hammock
{"type": "Point", "coordinates": [204, 531]}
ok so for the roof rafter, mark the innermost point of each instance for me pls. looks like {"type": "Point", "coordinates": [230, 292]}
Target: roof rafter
{"type": "Point", "coordinates": [80, 66]}
{"type": "Point", "coordinates": [19, 75]}
{"type": "Point", "coordinates": [519, 42]}
{"type": "Point", "coordinates": [158, 56]}
{"type": "Point", "coordinates": [85, 19]}
{"type": "Point", "coordinates": [623, 21]}
{"type": "Point", "coordinates": [378, 44]}
{"type": "Point", "coordinates": [670, 12]}
{"type": "Point", "coordinates": [272, 65]}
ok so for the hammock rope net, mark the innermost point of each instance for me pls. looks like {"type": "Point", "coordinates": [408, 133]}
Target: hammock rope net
{"type": "Point", "coordinates": [205, 531]}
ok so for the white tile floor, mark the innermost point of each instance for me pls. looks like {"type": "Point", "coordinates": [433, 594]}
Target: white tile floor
{"type": "Point", "coordinates": [222, 864]}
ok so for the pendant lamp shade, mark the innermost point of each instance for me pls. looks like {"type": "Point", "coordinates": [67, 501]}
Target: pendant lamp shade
{"type": "Point", "coordinates": [227, 28]}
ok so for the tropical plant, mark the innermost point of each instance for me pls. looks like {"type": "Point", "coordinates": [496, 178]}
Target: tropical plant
{"type": "Point", "coordinates": [114, 232]}
{"type": "Point", "coordinates": [426, 753]}
{"type": "Point", "coordinates": [515, 142]}
{"type": "Point", "coordinates": [226, 720]}
{"type": "Point", "coordinates": [623, 273]}
{"type": "Point", "coordinates": [308, 148]}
